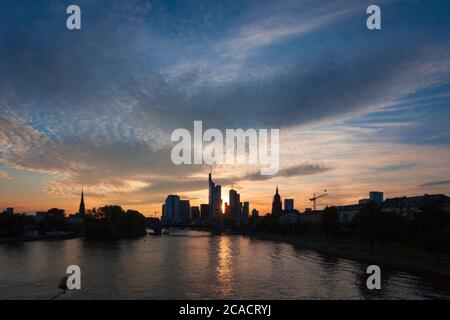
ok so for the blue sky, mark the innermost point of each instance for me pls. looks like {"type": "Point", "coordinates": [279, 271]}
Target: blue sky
{"type": "Point", "coordinates": [358, 109]}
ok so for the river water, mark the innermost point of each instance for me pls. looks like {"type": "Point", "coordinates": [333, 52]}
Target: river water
{"type": "Point", "coordinates": [196, 265]}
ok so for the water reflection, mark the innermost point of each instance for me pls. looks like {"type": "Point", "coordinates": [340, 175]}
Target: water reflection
{"type": "Point", "coordinates": [196, 265]}
{"type": "Point", "coordinates": [224, 266]}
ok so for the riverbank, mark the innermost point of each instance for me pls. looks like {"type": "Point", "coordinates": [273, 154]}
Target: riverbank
{"type": "Point", "coordinates": [410, 265]}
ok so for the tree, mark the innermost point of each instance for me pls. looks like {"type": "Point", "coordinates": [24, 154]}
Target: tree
{"type": "Point", "coordinates": [300, 229]}
{"type": "Point", "coordinates": [330, 222]}
{"type": "Point", "coordinates": [370, 224]}
{"type": "Point", "coordinates": [437, 241]}
{"type": "Point", "coordinates": [15, 224]}
{"type": "Point", "coordinates": [56, 219]}
{"type": "Point", "coordinates": [111, 222]}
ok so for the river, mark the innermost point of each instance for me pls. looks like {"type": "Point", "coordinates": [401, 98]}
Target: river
{"type": "Point", "coordinates": [196, 265]}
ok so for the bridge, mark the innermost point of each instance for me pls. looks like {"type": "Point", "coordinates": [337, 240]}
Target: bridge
{"type": "Point", "coordinates": [157, 226]}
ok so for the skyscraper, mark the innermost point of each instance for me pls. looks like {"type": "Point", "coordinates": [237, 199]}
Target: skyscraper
{"type": "Point", "coordinates": [235, 204]}
{"type": "Point", "coordinates": [82, 209]}
{"type": "Point", "coordinates": [215, 198]}
{"type": "Point", "coordinates": [277, 207]}
{"type": "Point", "coordinates": [205, 211]}
{"type": "Point", "coordinates": [227, 209]}
{"type": "Point", "coordinates": [171, 208]}
{"type": "Point", "coordinates": [195, 213]}
{"type": "Point", "coordinates": [184, 212]}
{"type": "Point", "coordinates": [245, 211]}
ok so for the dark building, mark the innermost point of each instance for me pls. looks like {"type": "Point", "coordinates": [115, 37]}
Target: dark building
{"type": "Point", "coordinates": [376, 196]}
{"type": "Point", "coordinates": [175, 210]}
{"type": "Point", "coordinates": [245, 211]}
{"type": "Point", "coordinates": [195, 213]}
{"type": "Point", "coordinates": [289, 205]}
{"type": "Point", "coordinates": [409, 206]}
{"type": "Point", "coordinates": [235, 205]}
{"type": "Point", "coordinates": [215, 198]}
{"type": "Point", "coordinates": [184, 212]}
{"type": "Point", "coordinates": [9, 211]}
{"type": "Point", "coordinates": [205, 211]}
{"type": "Point", "coordinates": [171, 209]}
{"type": "Point", "coordinates": [41, 215]}
{"type": "Point", "coordinates": [346, 213]}
{"type": "Point", "coordinates": [82, 210]}
{"type": "Point", "coordinates": [277, 207]}
{"type": "Point", "coordinates": [227, 210]}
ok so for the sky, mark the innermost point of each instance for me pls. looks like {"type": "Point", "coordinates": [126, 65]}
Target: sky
{"type": "Point", "coordinates": [358, 109]}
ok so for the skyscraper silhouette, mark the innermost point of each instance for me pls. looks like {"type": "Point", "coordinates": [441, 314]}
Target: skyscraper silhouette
{"type": "Point", "coordinates": [235, 204]}
{"type": "Point", "coordinates": [215, 198]}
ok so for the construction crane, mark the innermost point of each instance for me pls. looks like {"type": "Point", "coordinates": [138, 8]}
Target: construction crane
{"type": "Point", "coordinates": [314, 198]}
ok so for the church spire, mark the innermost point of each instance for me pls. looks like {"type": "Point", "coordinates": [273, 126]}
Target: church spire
{"type": "Point", "coordinates": [277, 208]}
{"type": "Point", "coordinates": [82, 210]}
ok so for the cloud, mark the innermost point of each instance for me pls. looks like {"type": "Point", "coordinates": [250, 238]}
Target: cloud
{"type": "Point", "coordinates": [90, 75]}
{"type": "Point", "coordinates": [304, 169]}
{"type": "Point", "coordinates": [436, 183]}
{"type": "Point", "coordinates": [396, 167]}
{"type": "Point", "coordinates": [97, 107]}
{"type": "Point", "coordinates": [267, 30]}
{"type": "Point", "coordinates": [167, 185]}
{"type": "Point", "coordinates": [4, 175]}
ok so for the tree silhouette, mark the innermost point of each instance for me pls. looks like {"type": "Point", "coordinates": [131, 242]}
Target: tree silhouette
{"type": "Point", "coordinates": [370, 224]}
{"type": "Point", "coordinates": [330, 223]}
{"type": "Point", "coordinates": [110, 222]}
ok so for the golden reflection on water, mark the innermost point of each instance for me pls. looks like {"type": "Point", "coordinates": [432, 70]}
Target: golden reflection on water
{"type": "Point", "coordinates": [224, 267]}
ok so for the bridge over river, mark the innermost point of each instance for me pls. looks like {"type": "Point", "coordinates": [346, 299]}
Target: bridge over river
{"type": "Point", "coordinates": [157, 226]}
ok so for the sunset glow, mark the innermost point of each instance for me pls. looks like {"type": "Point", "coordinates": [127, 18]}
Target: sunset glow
{"type": "Point", "coordinates": [351, 121]}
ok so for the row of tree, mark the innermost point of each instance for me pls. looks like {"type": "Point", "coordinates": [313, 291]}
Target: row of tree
{"type": "Point", "coordinates": [102, 223]}
{"type": "Point", "coordinates": [428, 229]}
{"type": "Point", "coordinates": [15, 225]}
{"type": "Point", "coordinates": [111, 222]}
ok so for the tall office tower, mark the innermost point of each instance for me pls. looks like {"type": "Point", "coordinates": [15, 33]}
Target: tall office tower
{"type": "Point", "coordinates": [211, 186]}
{"type": "Point", "coordinates": [376, 197]}
{"type": "Point", "coordinates": [277, 208]}
{"type": "Point", "coordinates": [215, 198]}
{"type": "Point", "coordinates": [171, 209]}
{"type": "Point", "coordinates": [289, 205]}
{"type": "Point", "coordinates": [205, 211]}
{"type": "Point", "coordinates": [245, 211]}
{"type": "Point", "coordinates": [235, 204]}
{"type": "Point", "coordinates": [184, 212]}
{"type": "Point", "coordinates": [227, 210]}
{"type": "Point", "coordinates": [195, 213]}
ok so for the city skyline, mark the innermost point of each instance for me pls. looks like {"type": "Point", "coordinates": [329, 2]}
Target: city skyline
{"type": "Point", "coordinates": [358, 110]}
{"type": "Point", "coordinates": [232, 205]}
